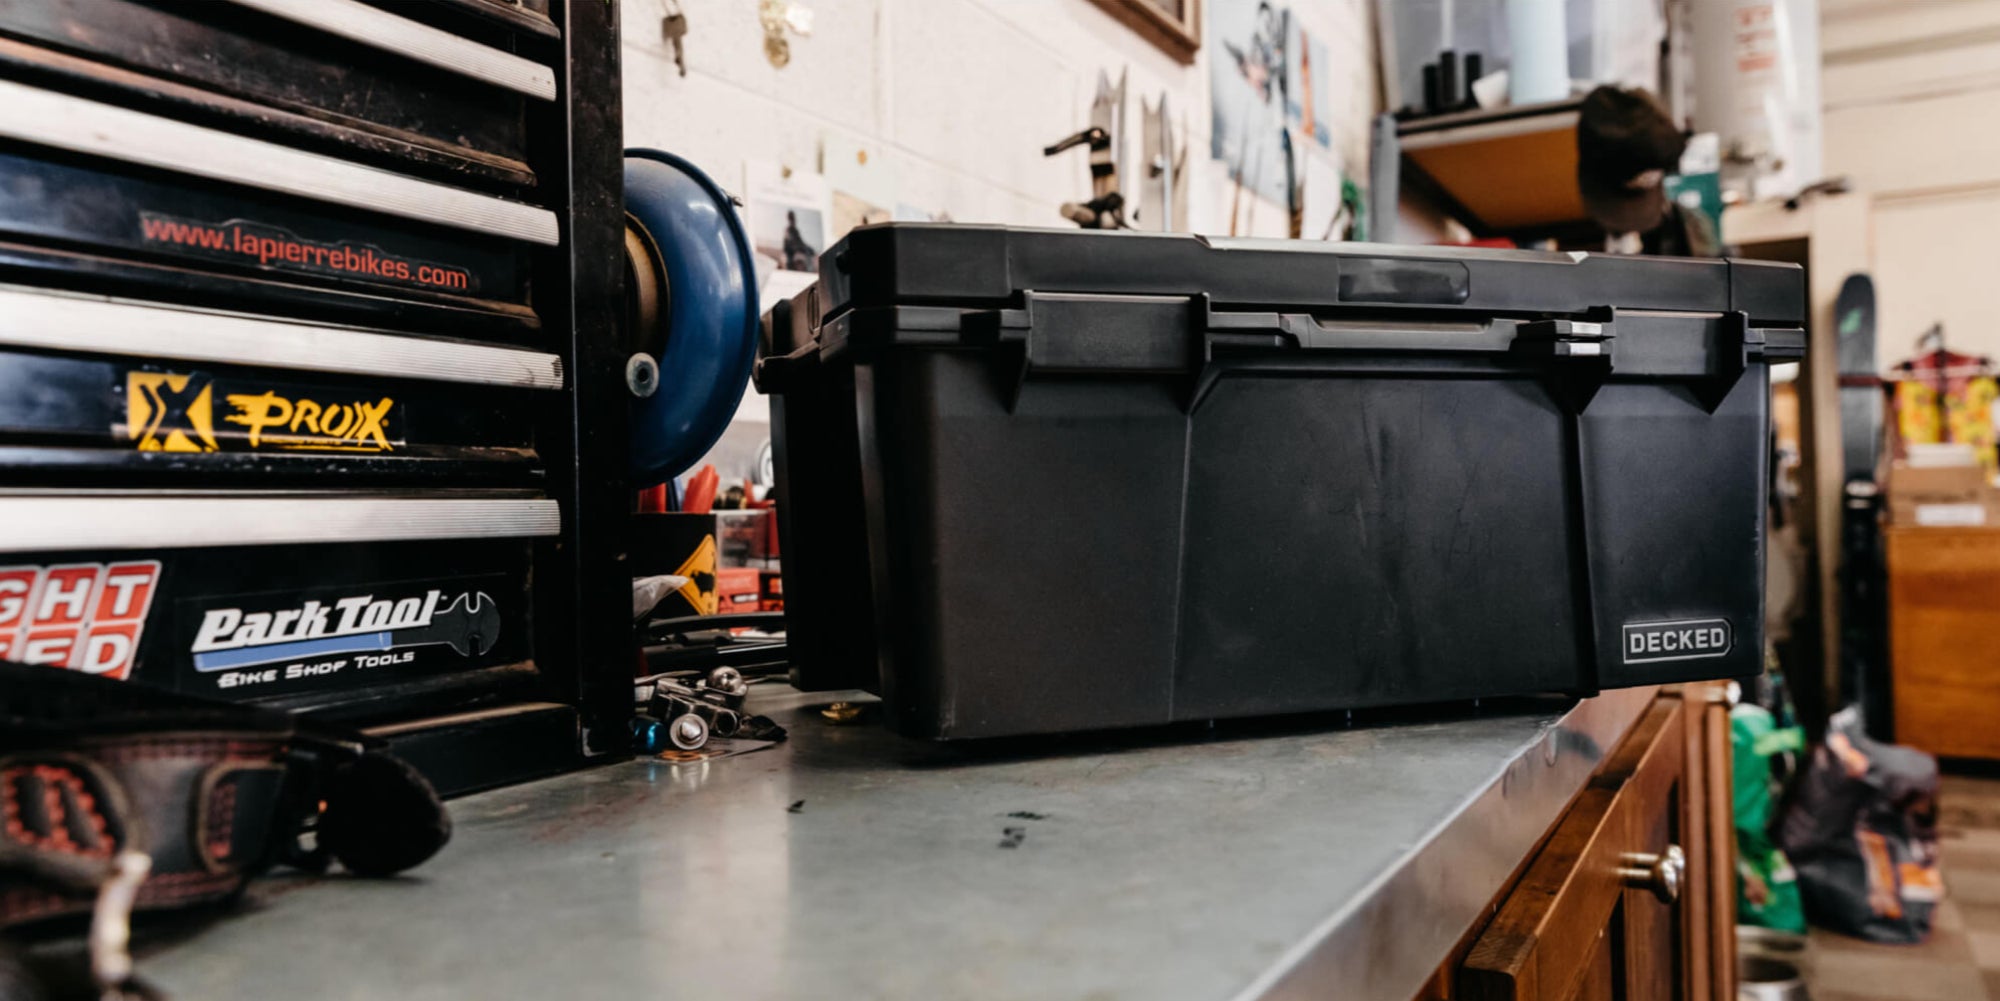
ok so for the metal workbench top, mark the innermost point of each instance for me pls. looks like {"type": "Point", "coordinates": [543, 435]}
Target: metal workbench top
{"type": "Point", "coordinates": [1289, 859]}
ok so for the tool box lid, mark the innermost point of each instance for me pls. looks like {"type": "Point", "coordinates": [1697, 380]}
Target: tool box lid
{"type": "Point", "coordinates": [985, 266]}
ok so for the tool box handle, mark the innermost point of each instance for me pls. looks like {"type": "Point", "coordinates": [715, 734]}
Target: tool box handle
{"type": "Point", "coordinates": [1566, 338]}
{"type": "Point", "coordinates": [1064, 332]}
{"type": "Point", "coordinates": [1656, 344]}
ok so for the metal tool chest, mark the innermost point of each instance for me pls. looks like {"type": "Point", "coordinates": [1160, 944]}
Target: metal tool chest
{"type": "Point", "coordinates": [301, 307]}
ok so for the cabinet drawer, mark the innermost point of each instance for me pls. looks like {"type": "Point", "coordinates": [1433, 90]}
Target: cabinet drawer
{"type": "Point", "coordinates": [67, 418]}
{"type": "Point", "coordinates": [333, 72]}
{"type": "Point", "coordinates": [304, 599]}
{"type": "Point", "coordinates": [244, 237]}
{"type": "Point", "coordinates": [1585, 921]}
{"type": "Point", "coordinates": [1944, 610]}
{"type": "Point", "coordinates": [92, 387]}
{"type": "Point", "coordinates": [105, 198]}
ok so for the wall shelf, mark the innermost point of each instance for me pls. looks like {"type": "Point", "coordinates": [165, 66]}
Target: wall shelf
{"type": "Point", "coordinates": [1506, 171]}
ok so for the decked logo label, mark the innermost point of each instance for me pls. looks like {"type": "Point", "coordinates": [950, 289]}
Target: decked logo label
{"type": "Point", "coordinates": [313, 639]}
{"type": "Point", "coordinates": [172, 412]}
{"type": "Point", "coordinates": [1680, 639]}
{"type": "Point", "coordinates": [83, 616]}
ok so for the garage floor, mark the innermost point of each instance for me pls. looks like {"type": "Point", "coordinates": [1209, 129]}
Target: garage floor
{"type": "Point", "coordinates": [1961, 962]}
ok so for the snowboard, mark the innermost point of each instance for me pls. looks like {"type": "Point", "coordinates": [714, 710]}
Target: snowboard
{"type": "Point", "coordinates": [1860, 378]}
{"type": "Point", "coordinates": [1864, 664]}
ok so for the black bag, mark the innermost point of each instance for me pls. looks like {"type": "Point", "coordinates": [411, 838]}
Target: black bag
{"type": "Point", "coordinates": [1862, 833]}
{"type": "Point", "coordinates": [121, 798]}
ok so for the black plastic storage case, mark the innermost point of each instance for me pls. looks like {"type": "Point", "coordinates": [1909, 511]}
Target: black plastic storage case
{"type": "Point", "coordinates": [1035, 481]}
{"type": "Point", "coordinates": [300, 305]}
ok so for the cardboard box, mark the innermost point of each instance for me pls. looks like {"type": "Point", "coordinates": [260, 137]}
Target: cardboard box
{"type": "Point", "coordinates": [1938, 496]}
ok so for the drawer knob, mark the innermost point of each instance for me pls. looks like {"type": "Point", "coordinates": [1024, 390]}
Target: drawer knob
{"type": "Point", "coordinates": [1660, 873]}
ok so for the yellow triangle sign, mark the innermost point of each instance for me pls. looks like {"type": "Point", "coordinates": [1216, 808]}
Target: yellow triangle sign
{"type": "Point", "coordinates": [700, 566]}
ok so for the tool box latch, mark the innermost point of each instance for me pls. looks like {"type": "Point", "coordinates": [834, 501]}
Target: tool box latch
{"type": "Point", "coordinates": [1775, 344]}
{"type": "Point", "coordinates": [1134, 334]}
{"type": "Point", "coordinates": [1565, 338]}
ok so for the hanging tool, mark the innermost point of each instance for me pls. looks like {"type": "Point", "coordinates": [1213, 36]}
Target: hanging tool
{"type": "Point", "coordinates": [1246, 177]}
{"type": "Point", "coordinates": [780, 17]}
{"type": "Point", "coordinates": [1106, 207]}
{"type": "Point", "coordinates": [673, 28]}
{"type": "Point", "coordinates": [1163, 196]}
{"type": "Point", "coordinates": [1241, 167]}
{"type": "Point", "coordinates": [1295, 187]}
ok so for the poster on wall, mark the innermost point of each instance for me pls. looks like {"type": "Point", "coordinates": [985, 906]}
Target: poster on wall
{"type": "Point", "coordinates": [850, 211]}
{"type": "Point", "coordinates": [863, 180]}
{"type": "Point", "coordinates": [787, 212]}
{"type": "Point", "coordinates": [1267, 74]}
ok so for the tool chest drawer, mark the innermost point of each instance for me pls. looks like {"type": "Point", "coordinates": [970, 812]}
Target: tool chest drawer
{"type": "Point", "coordinates": [348, 590]}
{"type": "Point", "coordinates": [445, 89]}
{"type": "Point", "coordinates": [118, 210]}
{"type": "Point", "coordinates": [126, 199]}
{"type": "Point", "coordinates": [151, 394]}
{"type": "Point", "coordinates": [152, 421]}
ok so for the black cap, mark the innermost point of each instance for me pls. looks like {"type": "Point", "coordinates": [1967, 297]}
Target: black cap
{"type": "Point", "coordinates": [1625, 147]}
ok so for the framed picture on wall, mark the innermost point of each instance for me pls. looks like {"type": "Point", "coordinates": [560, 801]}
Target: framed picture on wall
{"type": "Point", "coordinates": [1173, 25]}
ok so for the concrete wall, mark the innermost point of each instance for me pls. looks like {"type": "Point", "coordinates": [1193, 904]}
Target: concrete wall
{"type": "Point", "coordinates": [1912, 113]}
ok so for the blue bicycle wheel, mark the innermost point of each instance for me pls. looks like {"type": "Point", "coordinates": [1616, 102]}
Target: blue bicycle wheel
{"type": "Point", "coordinates": [708, 285]}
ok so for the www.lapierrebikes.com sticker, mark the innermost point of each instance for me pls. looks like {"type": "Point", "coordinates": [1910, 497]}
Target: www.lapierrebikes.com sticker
{"type": "Point", "coordinates": [273, 247]}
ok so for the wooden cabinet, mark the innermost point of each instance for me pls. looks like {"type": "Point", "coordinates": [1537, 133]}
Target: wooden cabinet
{"type": "Point", "coordinates": [1630, 897]}
{"type": "Point", "coordinates": [1944, 638]}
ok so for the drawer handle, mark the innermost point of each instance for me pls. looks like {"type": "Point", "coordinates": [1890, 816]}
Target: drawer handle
{"type": "Point", "coordinates": [1662, 873]}
{"type": "Point", "coordinates": [48, 118]}
{"type": "Point", "coordinates": [380, 29]}
{"type": "Point", "coordinates": [63, 321]}
{"type": "Point", "coordinates": [33, 520]}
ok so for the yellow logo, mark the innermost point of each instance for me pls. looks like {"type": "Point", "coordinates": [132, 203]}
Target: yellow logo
{"type": "Point", "coordinates": [169, 413]}
{"type": "Point", "coordinates": [303, 423]}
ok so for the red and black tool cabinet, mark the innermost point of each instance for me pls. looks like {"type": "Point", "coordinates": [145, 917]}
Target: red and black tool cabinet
{"type": "Point", "coordinates": [303, 304]}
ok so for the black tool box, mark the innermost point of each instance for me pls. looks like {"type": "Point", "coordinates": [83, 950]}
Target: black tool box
{"type": "Point", "coordinates": [1036, 481]}
{"type": "Point", "coordinates": [309, 332]}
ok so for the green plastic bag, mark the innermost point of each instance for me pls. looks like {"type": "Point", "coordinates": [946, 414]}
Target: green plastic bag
{"type": "Point", "coordinates": [1767, 890]}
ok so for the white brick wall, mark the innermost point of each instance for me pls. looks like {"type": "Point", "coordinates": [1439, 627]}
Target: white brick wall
{"type": "Point", "coordinates": [960, 94]}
